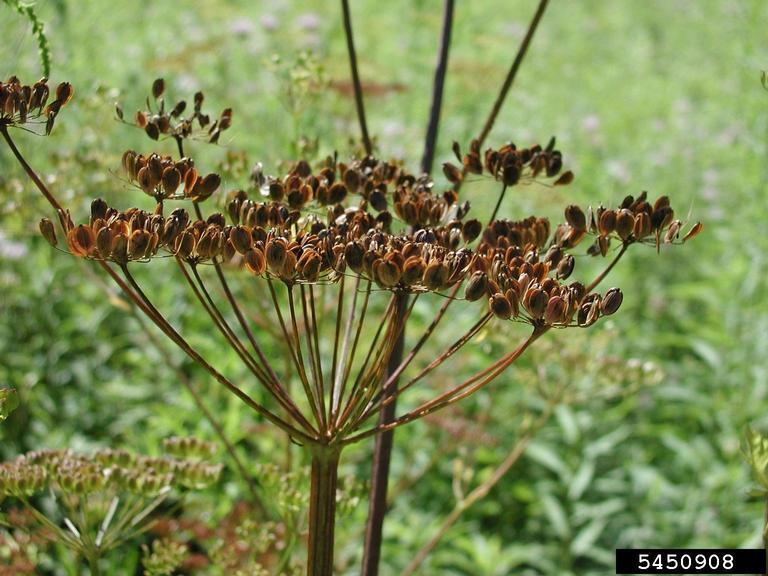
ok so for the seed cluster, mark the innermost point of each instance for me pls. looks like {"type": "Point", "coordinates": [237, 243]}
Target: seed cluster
{"type": "Point", "coordinates": [635, 220]}
{"type": "Point", "coordinates": [158, 121]}
{"type": "Point", "coordinates": [21, 103]}
{"type": "Point", "coordinates": [509, 164]}
{"type": "Point", "coordinates": [518, 267]}
{"type": "Point", "coordinates": [164, 179]}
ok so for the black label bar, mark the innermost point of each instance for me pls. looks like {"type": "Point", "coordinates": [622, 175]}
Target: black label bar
{"type": "Point", "coordinates": [691, 561]}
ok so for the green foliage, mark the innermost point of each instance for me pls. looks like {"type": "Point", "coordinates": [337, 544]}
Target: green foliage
{"type": "Point", "coordinates": [9, 401]}
{"type": "Point", "coordinates": [653, 96]}
{"type": "Point", "coordinates": [38, 30]}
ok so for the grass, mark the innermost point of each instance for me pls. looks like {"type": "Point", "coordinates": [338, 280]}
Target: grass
{"type": "Point", "coordinates": [663, 96]}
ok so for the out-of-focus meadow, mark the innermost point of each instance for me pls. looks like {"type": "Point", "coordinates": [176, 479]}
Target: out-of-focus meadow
{"type": "Point", "coordinates": [658, 95]}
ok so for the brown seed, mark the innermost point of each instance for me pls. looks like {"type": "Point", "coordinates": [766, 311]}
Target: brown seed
{"type": "Point", "coordinates": [309, 265]}
{"type": "Point", "coordinates": [697, 228]}
{"type": "Point", "coordinates": [158, 87]}
{"type": "Point", "coordinates": [514, 301]}
{"type": "Point", "coordinates": [413, 270]}
{"type": "Point", "coordinates": [144, 179]}
{"type": "Point", "coordinates": [255, 261]}
{"type": "Point", "coordinates": [565, 267]}
{"type": "Point", "coordinates": [64, 92]}
{"type": "Point", "coordinates": [565, 179]}
{"type": "Point", "coordinates": [48, 231]}
{"type": "Point", "coordinates": [537, 302]}
{"type": "Point", "coordinates": [476, 286]}
{"type": "Point", "coordinates": [353, 256]}
{"type": "Point", "coordinates": [190, 180]}
{"type": "Point", "coordinates": [184, 244]}
{"type": "Point", "coordinates": [575, 217]}
{"type": "Point", "coordinates": [607, 222]}
{"type": "Point", "coordinates": [625, 222]}
{"type": "Point", "coordinates": [276, 191]}
{"type": "Point", "coordinates": [642, 225]}
{"type": "Point", "coordinates": [435, 275]}
{"type": "Point", "coordinates": [452, 173]}
{"type": "Point", "coordinates": [352, 180]}
{"type": "Point", "coordinates": [276, 252]}
{"type": "Point", "coordinates": [98, 209]}
{"type": "Point", "coordinates": [500, 306]}
{"type": "Point", "coordinates": [81, 241]}
{"type": "Point", "coordinates": [241, 239]}
{"type": "Point", "coordinates": [137, 244]}
{"type": "Point", "coordinates": [673, 232]}
{"type": "Point", "coordinates": [104, 242]}
{"type": "Point", "coordinates": [471, 230]}
{"type": "Point", "coordinates": [336, 193]}
{"type": "Point", "coordinates": [171, 180]}
{"type": "Point", "coordinates": [378, 200]}
{"type": "Point", "coordinates": [555, 311]}
{"type": "Point", "coordinates": [662, 217]}
{"type": "Point", "coordinates": [288, 271]}
{"type": "Point", "coordinates": [386, 273]}
{"type": "Point", "coordinates": [611, 301]}
{"type": "Point", "coordinates": [152, 130]}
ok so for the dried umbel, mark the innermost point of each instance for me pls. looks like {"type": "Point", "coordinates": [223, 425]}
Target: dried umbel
{"type": "Point", "coordinates": [22, 104]}
{"type": "Point", "coordinates": [165, 179]}
{"type": "Point", "coordinates": [509, 164]}
{"type": "Point", "coordinates": [338, 255]}
{"type": "Point", "coordinates": [159, 121]}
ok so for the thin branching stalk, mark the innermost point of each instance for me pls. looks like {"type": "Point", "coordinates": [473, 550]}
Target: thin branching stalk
{"type": "Point", "coordinates": [387, 399]}
{"type": "Point", "coordinates": [519, 57]}
{"type": "Point", "coordinates": [28, 169]}
{"type": "Point", "coordinates": [146, 305]}
{"type": "Point", "coordinates": [295, 358]}
{"type": "Point", "coordinates": [498, 205]}
{"type": "Point", "coordinates": [275, 390]}
{"type": "Point", "coordinates": [510, 78]}
{"type": "Point", "coordinates": [183, 377]}
{"type": "Point", "coordinates": [466, 388]}
{"type": "Point", "coordinates": [592, 285]}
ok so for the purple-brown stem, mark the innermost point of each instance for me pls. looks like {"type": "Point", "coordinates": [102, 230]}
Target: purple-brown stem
{"type": "Point", "coordinates": [437, 89]}
{"type": "Point", "coordinates": [356, 77]}
{"type": "Point", "coordinates": [382, 456]}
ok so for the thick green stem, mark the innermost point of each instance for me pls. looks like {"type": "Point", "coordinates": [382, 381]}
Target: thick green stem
{"type": "Point", "coordinates": [93, 564]}
{"type": "Point", "coordinates": [322, 510]}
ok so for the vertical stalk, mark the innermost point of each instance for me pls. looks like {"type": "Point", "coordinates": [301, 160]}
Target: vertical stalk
{"type": "Point", "coordinates": [355, 76]}
{"type": "Point", "coordinates": [437, 89]}
{"type": "Point", "coordinates": [382, 455]}
{"type": "Point", "coordinates": [322, 509]}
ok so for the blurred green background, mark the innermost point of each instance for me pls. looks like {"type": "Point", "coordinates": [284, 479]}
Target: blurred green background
{"type": "Point", "coordinates": [660, 95]}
